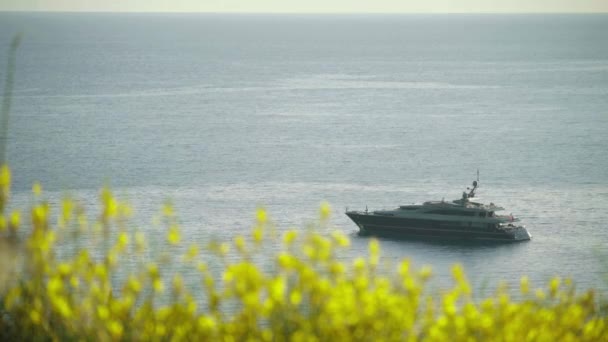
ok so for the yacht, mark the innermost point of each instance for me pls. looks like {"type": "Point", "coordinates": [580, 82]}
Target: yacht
{"type": "Point", "coordinates": [459, 219]}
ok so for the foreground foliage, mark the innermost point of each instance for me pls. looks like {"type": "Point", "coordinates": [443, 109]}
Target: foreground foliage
{"type": "Point", "coordinates": [308, 294]}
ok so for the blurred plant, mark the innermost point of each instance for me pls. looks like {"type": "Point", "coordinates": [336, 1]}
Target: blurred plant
{"type": "Point", "coordinates": [7, 96]}
{"type": "Point", "coordinates": [309, 293]}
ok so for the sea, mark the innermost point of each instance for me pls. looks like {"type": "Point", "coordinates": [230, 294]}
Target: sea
{"type": "Point", "coordinates": [222, 114]}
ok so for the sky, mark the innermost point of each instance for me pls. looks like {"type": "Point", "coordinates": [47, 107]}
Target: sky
{"type": "Point", "coordinates": [312, 6]}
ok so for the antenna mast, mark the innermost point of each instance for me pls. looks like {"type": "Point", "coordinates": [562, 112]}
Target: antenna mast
{"type": "Point", "coordinates": [475, 185]}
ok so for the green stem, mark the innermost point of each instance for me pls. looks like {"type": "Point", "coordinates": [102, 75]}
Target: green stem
{"type": "Point", "coordinates": [8, 93]}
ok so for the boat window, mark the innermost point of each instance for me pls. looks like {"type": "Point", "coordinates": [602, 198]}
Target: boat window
{"type": "Point", "coordinates": [452, 212]}
{"type": "Point", "coordinates": [482, 214]}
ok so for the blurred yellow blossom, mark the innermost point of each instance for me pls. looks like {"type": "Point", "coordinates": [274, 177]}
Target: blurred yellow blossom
{"type": "Point", "coordinates": [325, 211]}
{"type": "Point", "coordinates": [70, 290]}
{"type": "Point", "coordinates": [37, 189]}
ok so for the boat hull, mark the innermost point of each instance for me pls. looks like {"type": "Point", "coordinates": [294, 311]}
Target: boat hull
{"type": "Point", "coordinates": [371, 224]}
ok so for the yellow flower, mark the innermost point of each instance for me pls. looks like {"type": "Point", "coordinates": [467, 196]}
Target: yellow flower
{"type": "Point", "coordinates": [289, 237]}
{"type": "Point", "coordinates": [5, 176]}
{"type": "Point", "coordinates": [341, 239]}
{"type": "Point", "coordinates": [404, 268]}
{"type": "Point", "coordinates": [554, 286]}
{"type": "Point", "coordinates": [123, 240]}
{"type": "Point", "coordinates": [75, 282]}
{"type": "Point", "coordinates": [239, 243]}
{"type": "Point", "coordinates": [524, 285]}
{"type": "Point", "coordinates": [103, 312]}
{"type": "Point", "coordinates": [178, 284]}
{"type": "Point", "coordinates": [277, 289]}
{"type": "Point", "coordinates": [207, 323]}
{"type": "Point", "coordinates": [374, 252]}
{"type": "Point", "coordinates": [540, 294]}
{"type": "Point", "coordinates": [35, 316]}
{"type": "Point", "coordinates": [337, 268]}
{"type": "Point", "coordinates": [153, 270]}
{"type": "Point", "coordinates": [158, 285]}
{"type": "Point", "coordinates": [201, 266]}
{"type": "Point", "coordinates": [54, 285]}
{"type": "Point", "coordinates": [15, 219]}
{"type": "Point", "coordinates": [64, 269]}
{"type": "Point", "coordinates": [325, 211]}
{"type": "Point", "coordinates": [116, 329]}
{"type": "Point", "coordinates": [359, 264]}
{"type": "Point", "coordinates": [224, 248]}
{"type": "Point", "coordinates": [40, 215]}
{"type": "Point", "coordinates": [37, 189]}
{"type": "Point", "coordinates": [168, 209]}
{"type": "Point", "coordinates": [173, 236]}
{"type": "Point", "coordinates": [67, 212]}
{"type": "Point", "coordinates": [192, 252]}
{"type": "Point", "coordinates": [110, 204]}
{"type": "Point", "coordinates": [62, 306]}
{"type": "Point", "coordinates": [286, 260]}
{"type": "Point", "coordinates": [457, 272]}
{"type": "Point", "coordinates": [134, 284]}
{"type": "Point", "coordinates": [295, 297]}
{"type": "Point", "coordinates": [261, 216]}
{"type": "Point", "coordinates": [258, 234]}
{"type": "Point", "coordinates": [309, 294]}
{"type": "Point", "coordinates": [425, 272]}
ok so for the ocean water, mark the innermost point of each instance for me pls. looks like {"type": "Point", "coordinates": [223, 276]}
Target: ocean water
{"type": "Point", "coordinates": [225, 113]}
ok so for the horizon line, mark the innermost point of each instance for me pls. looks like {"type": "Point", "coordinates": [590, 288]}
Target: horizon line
{"type": "Point", "coordinates": [299, 13]}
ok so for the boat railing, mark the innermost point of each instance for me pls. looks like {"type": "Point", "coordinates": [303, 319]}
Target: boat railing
{"type": "Point", "coordinates": [509, 226]}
